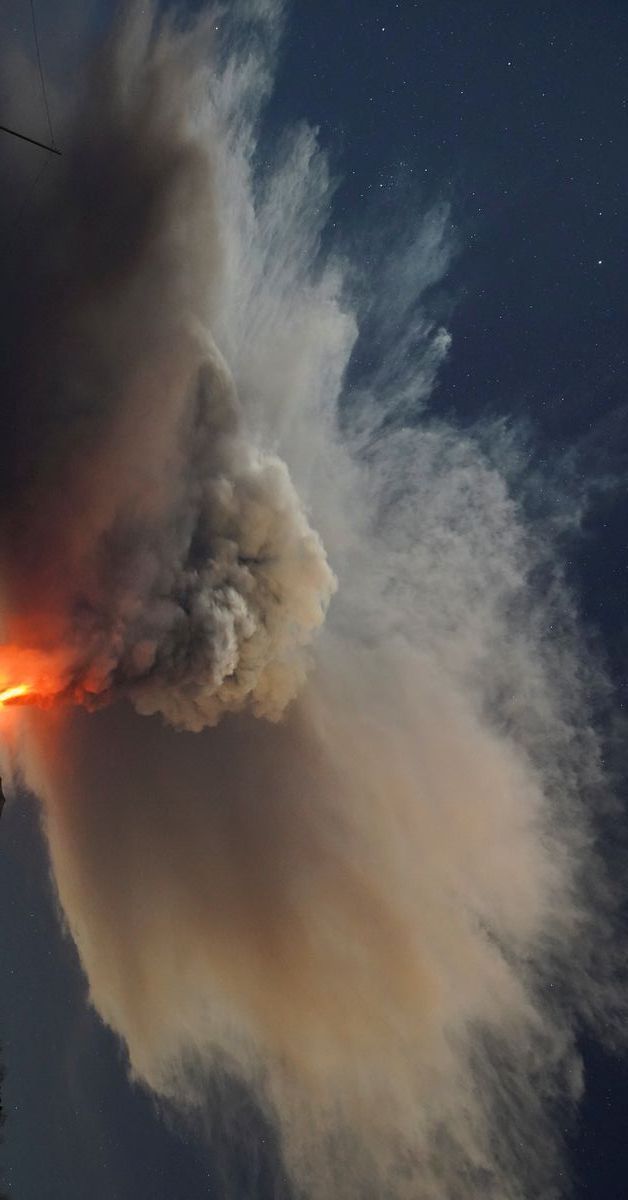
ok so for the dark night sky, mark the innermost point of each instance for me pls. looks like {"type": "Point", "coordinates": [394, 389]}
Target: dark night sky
{"type": "Point", "coordinates": [518, 116]}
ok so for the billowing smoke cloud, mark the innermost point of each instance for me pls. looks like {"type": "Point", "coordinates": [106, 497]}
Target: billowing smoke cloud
{"type": "Point", "coordinates": [382, 913]}
{"type": "Point", "coordinates": [168, 555]}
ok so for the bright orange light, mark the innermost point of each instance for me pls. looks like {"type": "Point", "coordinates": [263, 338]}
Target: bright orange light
{"type": "Point", "coordinates": [15, 693]}
{"type": "Point", "coordinates": [28, 676]}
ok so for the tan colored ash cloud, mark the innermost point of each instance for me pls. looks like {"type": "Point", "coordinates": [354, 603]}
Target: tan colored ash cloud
{"type": "Point", "coordinates": [379, 912]}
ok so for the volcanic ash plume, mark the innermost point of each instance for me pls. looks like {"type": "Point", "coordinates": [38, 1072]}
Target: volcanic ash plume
{"type": "Point", "coordinates": [380, 914]}
{"type": "Point", "coordinates": [165, 553]}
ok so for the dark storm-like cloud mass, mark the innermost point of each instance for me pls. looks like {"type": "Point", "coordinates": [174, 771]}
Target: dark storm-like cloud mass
{"type": "Point", "coordinates": [381, 912]}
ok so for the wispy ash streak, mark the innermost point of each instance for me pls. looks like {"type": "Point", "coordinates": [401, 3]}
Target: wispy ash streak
{"type": "Point", "coordinates": [382, 913]}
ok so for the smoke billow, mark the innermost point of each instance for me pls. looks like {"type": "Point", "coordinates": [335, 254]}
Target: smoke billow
{"type": "Point", "coordinates": [380, 912]}
{"type": "Point", "coordinates": [165, 552]}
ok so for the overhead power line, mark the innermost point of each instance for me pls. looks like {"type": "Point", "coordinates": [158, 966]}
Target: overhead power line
{"type": "Point", "coordinates": [33, 141]}
{"type": "Point", "coordinates": [52, 148]}
{"type": "Point", "coordinates": [41, 74]}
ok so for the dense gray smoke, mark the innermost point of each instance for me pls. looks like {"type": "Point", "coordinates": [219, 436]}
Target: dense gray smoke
{"type": "Point", "coordinates": [383, 912]}
{"type": "Point", "coordinates": [168, 555]}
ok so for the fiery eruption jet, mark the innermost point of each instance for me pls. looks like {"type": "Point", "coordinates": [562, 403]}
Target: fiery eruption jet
{"type": "Point", "coordinates": [30, 677]}
{"type": "Point", "coordinates": [20, 693]}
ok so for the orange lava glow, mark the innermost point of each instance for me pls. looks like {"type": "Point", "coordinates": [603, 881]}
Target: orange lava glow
{"type": "Point", "coordinates": [29, 676]}
{"type": "Point", "coordinates": [15, 694]}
